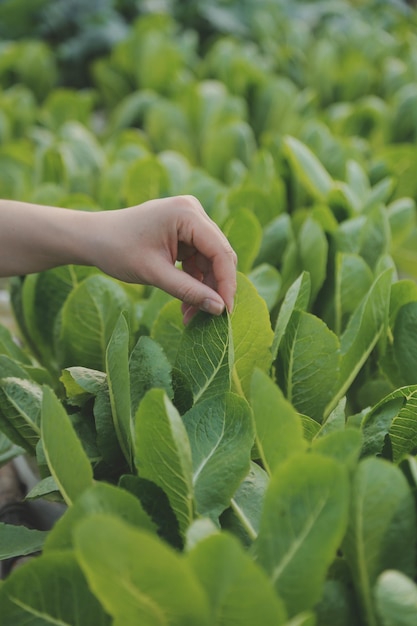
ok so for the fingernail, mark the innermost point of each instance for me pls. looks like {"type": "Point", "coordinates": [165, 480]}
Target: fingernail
{"type": "Point", "coordinates": [212, 306]}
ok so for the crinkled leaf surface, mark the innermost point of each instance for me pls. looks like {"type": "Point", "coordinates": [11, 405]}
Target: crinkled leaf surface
{"type": "Point", "coordinates": [303, 521]}
{"type": "Point", "coordinates": [205, 355]}
{"type": "Point", "coordinates": [138, 578]}
{"type": "Point", "coordinates": [163, 453]}
{"type": "Point", "coordinates": [87, 320]}
{"type": "Point", "coordinates": [308, 364]}
{"type": "Point", "coordinates": [221, 435]}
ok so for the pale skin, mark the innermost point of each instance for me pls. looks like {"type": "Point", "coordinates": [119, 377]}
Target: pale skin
{"type": "Point", "coordinates": [139, 244]}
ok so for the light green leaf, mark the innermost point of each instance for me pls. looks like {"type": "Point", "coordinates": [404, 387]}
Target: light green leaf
{"type": "Point", "coordinates": [313, 251]}
{"type": "Point", "coordinates": [402, 219]}
{"type": "Point", "coordinates": [362, 333]}
{"type": "Point", "coordinates": [382, 529]}
{"type": "Point", "coordinates": [82, 383]}
{"type": "Point", "coordinates": [252, 334]}
{"type": "Point", "coordinates": [63, 449]}
{"type": "Point", "coordinates": [221, 435]}
{"type": "Point", "coordinates": [146, 178]}
{"type": "Point", "coordinates": [297, 297]}
{"type": "Point", "coordinates": [168, 328]}
{"type": "Point", "coordinates": [138, 578]}
{"type": "Point", "coordinates": [100, 498]}
{"type": "Point", "coordinates": [19, 540]}
{"type": "Point", "coordinates": [246, 504]}
{"type": "Point", "coordinates": [148, 367]}
{"type": "Point", "coordinates": [205, 355]}
{"type": "Point", "coordinates": [267, 281]}
{"type": "Point", "coordinates": [396, 599]}
{"type": "Point", "coordinates": [88, 318]}
{"type": "Point", "coordinates": [303, 522]}
{"type": "Point", "coordinates": [308, 168]}
{"type": "Point", "coordinates": [245, 235]}
{"type": "Point", "coordinates": [118, 379]}
{"type": "Point", "coordinates": [342, 445]}
{"type": "Point", "coordinates": [279, 430]}
{"type": "Point", "coordinates": [239, 591]}
{"type": "Point", "coordinates": [353, 280]}
{"type": "Point", "coordinates": [308, 364]}
{"type": "Point", "coordinates": [405, 343]}
{"type": "Point", "coordinates": [163, 453]}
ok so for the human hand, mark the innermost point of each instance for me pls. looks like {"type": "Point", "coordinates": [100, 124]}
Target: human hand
{"type": "Point", "coordinates": [142, 244]}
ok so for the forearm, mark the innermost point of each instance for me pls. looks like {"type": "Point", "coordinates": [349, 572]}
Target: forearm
{"type": "Point", "coordinates": [34, 238]}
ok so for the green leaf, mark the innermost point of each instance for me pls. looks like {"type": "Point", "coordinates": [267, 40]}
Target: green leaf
{"type": "Point", "coordinates": [396, 599]}
{"type": "Point", "coordinates": [245, 235]}
{"type": "Point", "coordinates": [239, 591]}
{"type": "Point", "coordinates": [117, 368]}
{"type": "Point", "coordinates": [343, 445]}
{"type": "Point", "coordinates": [168, 328]}
{"type": "Point", "coordinates": [307, 168]}
{"type": "Point", "coordinates": [50, 589]}
{"type": "Point", "coordinates": [382, 530]}
{"type": "Point", "coordinates": [205, 355]}
{"type": "Point", "coordinates": [8, 450]}
{"type": "Point", "coordinates": [353, 281]}
{"type": "Point", "coordinates": [279, 431]}
{"type": "Point", "coordinates": [303, 522]}
{"type": "Point", "coordinates": [362, 333]}
{"type": "Point", "coordinates": [19, 540]}
{"type": "Point", "coordinates": [297, 297]}
{"type": "Point", "coordinates": [81, 384]}
{"type": "Point", "coordinates": [246, 504]}
{"type": "Point", "coordinates": [163, 453]}
{"type": "Point", "coordinates": [137, 578]}
{"type": "Point", "coordinates": [63, 450]}
{"type": "Point", "coordinates": [146, 178]}
{"type": "Point", "coordinates": [405, 342]}
{"type": "Point", "coordinates": [267, 281]}
{"type": "Point", "coordinates": [20, 404]}
{"type": "Point", "coordinates": [10, 347]}
{"type": "Point", "coordinates": [308, 364]}
{"type": "Point", "coordinates": [221, 435]}
{"type": "Point", "coordinates": [148, 367]}
{"type": "Point", "coordinates": [100, 498]}
{"type": "Point", "coordinates": [252, 334]}
{"type": "Point", "coordinates": [88, 318]}
{"type": "Point", "coordinates": [395, 417]}
{"type": "Point", "coordinates": [313, 251]}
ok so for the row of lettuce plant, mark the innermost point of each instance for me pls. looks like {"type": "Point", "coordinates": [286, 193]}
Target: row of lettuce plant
{"type": "Point", "coordinates": [253, 468]}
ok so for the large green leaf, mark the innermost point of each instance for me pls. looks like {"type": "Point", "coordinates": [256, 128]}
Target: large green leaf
{"type": "Point", "coordinates": [405, 343]}
{"type": "Point", "coordinates": [87, 320]}
{"type": "Point", "coordinates": [221, 435]}
{"type": "Point", "coordinates": [252, 334]}
{"type": "Point", "coordinates": [382, 529]}
{"type": "Point", "coordinates": [303, 521]}
{"type": "Point", "coordinates": [239, 591]}
{"type": "Point", "coordinates": [117, 369]}
{"type": "Point", "coordinates": [244, 514]}
{"type": "Point", "coordinates": [63, 450]}
{"type": "Point", "coordinates": [279, 430]}
{"type": "Point", "coordinates": [307, 168]}
{"type": "Point", "coordinates": [50, 590]}
{"type": "Point", "coordinates": [138, 578]}
{"type": "Point", "coordinates": [100, 498]}
{"type": "Point", "coordinates": [245, 235]}
{"type": "Point", "coordinates": [353, 280]}
{"type": "Point", "coordinates": [205, 355]}
{"type": "Point", "coordinates": [313, 251]}
{"type": "Point", "coordinates": [308, 364]}
{"type": "Point", "coordinates": [148, 367]}
{"type": "Point", "coordinates": [396, 599]}
{"type": "Point", "coordinates": [163, 453]}
{"type": "Point", "coordinates": [11, 348]}
{"type": "Point", "coordinates": [362, 333]}
{"type": "Point", "coordinates": [168, 328]}
{"type": "Point", "coordinates": [297, 297]}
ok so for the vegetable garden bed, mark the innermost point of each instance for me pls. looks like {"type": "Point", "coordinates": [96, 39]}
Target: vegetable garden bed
{"type": "Point", "coordinates": [258, 468]}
